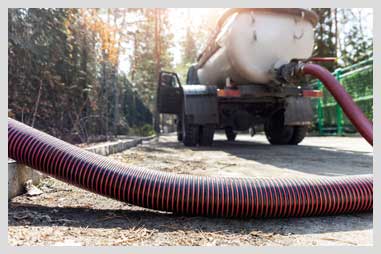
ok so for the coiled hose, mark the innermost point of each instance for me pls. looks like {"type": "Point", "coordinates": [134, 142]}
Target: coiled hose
{"type": "Point", "coordinates": [186, 194]}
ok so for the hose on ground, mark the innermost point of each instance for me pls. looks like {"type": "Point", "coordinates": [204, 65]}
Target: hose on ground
{"type": "Point", "coordinates": [187, 194]}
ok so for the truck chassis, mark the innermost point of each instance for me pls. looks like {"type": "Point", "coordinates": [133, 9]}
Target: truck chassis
{"type": "Point", "coordinates": [284, 111]}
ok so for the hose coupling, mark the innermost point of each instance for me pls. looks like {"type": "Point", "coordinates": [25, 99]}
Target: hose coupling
{"type": "Point", "coordinates": [289, 73]}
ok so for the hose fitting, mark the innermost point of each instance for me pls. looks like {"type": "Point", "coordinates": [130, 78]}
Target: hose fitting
{"type": "Point", "coordinates": [289, 73]}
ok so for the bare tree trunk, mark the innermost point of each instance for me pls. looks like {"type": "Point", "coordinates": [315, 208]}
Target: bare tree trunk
{"type": "Point", "coordinates": [158, 67]}
{"type": "Point", "coordinates": [22, 114]}
{"type": "Point", "coordinates": [360, 22]}
{"type": "Point", "coordinates": [106, 92]}
{"type": "Point", "coordinates": [134, 57]}
{"type": "Point", "coordinates": [104, 96]}
{"type": "Point", "coordinates": [117, 90]}
{"type": "Point", "coordinates": [337, 37]}
{"type": "Point", "coordinates": [37, 103]}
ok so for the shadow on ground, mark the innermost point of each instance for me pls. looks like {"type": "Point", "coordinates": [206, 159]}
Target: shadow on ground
{"type": "Point", "coordinates": [36, 215]}
{"type": "Point", "coordinates": [319, 160]}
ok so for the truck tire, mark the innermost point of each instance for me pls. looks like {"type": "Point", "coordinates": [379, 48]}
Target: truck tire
{"type": "Point", "coordinates": [179, 130]}
{"type": "Point", "coordinates": [230, 134]}
{"type": "Point", "coordinates": [190, 133]}
{"type": "Point", "coordinates": [276, 132]}
{"type": "Point", "coordinates": [179, 136]}
{"type": "Point", "coordinates": [206, 134]}
{"type": "Point", "coordinates": [300, 133]}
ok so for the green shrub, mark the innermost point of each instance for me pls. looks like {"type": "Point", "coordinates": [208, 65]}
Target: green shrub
{"type": "Point", "coordinates": [145, 130]}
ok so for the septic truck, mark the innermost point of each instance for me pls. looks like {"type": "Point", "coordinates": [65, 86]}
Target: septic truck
{"type": "Point", "coordinates": [240, 82]}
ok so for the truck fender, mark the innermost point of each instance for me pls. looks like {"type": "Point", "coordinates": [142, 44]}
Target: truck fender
{"type": "Point", "coordinates": [200, 104]}
{"type": "Point", "coordinates": [298, 111]}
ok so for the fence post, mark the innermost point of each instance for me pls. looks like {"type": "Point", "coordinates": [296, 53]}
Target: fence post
{"type": "Point", "coordinates": [339, 111]}
{"type": "Point", "coordinates": [320, 110]}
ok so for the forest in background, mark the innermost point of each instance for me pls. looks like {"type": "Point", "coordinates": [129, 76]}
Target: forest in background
{"type": "Point", "coordinates": [64, 65]}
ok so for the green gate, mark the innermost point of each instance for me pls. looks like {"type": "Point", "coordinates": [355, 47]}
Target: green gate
{"type": "Point", "coordinates": [357, 80]}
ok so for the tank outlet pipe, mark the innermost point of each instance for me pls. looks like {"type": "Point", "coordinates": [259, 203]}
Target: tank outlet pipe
{"type": "Point", "coordinates": [292, 71]}
{"type": "Point", "coordinates": [187, 194]}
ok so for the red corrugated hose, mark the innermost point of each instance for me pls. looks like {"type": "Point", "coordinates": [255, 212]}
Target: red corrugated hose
{"type": "Point", "coordinates": [186, 194]}
{"type": "Point", "coordinates": [363, 125]}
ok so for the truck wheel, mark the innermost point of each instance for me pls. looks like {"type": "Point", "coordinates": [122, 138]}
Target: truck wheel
{"type": "Point", "coordinates": [206, 135]}
{"type": "Point", "coordinates": [179, 136]}
{"type": "Point", "coordinates": [179, 130]}
{"type": "Point", "coordinates": [190, 133]}
{"type": "Point", "coordinates": [230, 134]}
{"type": "Point", "coordinates": [276, 132]}
{"type": "Point", "coordinates": [300, 133]}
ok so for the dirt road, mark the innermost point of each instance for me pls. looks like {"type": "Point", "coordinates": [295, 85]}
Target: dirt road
{"type": "Point", "coordinates": [65, 215]}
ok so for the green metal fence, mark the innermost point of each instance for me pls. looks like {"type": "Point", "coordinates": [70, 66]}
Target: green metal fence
{"type": "Point", "coordinates": [357, 80]}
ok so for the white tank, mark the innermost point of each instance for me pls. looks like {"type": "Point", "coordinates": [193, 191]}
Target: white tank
{"type": "Point", "coordinates": [250, 44]}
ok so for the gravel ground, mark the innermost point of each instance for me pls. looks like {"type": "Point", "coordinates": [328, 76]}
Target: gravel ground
{"type": "Point", "coordinates": [66, 215]}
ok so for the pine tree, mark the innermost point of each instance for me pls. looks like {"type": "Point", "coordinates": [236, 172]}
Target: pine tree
{"type": "Point", "coordinates": [151, 54]}
{"type": "Point", "coordinates": [189, 48]}
{"type": "Point", "coordinates": [325, 36]}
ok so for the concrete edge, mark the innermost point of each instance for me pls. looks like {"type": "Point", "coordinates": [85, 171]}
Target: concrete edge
{"type": "Point", "coordinates": [117, 146]}
{"type": "Point", "coordinates": [18, 173]}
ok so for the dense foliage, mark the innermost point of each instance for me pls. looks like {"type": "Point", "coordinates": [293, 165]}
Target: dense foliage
{"type": "Point", "coordinates": [341, 33]}
{"type": "Point", "coordinates": [63, 73]}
